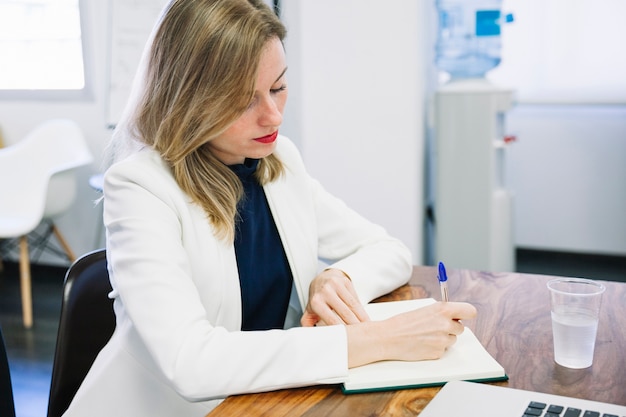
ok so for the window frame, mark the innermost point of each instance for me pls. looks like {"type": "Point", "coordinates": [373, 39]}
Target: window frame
{"type": "Point", "coordinates": [84, 94]}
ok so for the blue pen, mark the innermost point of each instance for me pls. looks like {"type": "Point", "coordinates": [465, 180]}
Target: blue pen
{"type": "Point", "coordinates": [443, 282]}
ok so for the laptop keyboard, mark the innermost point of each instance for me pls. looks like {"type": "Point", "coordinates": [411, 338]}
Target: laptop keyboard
{"type": "Point", "coordinates": [538, 409]}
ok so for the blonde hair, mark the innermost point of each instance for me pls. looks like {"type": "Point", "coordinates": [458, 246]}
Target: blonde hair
{"type": "Point", "coordinates": [200, 78]}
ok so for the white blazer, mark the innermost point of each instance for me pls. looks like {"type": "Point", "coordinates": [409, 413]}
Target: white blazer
{"type": "Point", "coordinates": [177, 349]}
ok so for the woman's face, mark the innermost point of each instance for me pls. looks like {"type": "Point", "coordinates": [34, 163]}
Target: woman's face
{"type": "Point", "coordinates": [253, 134]}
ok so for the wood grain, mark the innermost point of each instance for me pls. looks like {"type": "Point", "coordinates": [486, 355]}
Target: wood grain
{"type": "Point", "coordinates": [513, 324]}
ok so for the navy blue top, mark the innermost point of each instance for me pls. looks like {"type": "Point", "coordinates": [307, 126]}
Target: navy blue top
{"type": "Point", "coordinates": [264, 274]}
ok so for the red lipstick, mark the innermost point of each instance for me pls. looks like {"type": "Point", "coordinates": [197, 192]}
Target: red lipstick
{"type": "Point", "coordinates": [268, 139]}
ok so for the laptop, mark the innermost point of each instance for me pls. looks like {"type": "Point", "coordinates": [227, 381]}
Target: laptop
{"type": "Point", "coordinates": [471, 399]}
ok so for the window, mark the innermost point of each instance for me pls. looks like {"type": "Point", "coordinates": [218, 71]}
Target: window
{"type": "Point", "coordinates": [564, 51]}
{"type": "Point", "coordinates": [41, 48]}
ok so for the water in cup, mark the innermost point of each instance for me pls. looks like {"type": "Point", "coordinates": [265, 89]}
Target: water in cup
{"type": "Point", "coordinates": [575, 312]}
{"type": "Point", "coordinates": [574, 339]}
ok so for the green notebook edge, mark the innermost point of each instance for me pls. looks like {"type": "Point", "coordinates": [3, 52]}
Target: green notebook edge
{"type": "Point", "coordinates": [503, 378]}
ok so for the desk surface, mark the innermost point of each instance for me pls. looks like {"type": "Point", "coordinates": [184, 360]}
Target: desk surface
{"type": "Point", "coordinates": [513, 324]}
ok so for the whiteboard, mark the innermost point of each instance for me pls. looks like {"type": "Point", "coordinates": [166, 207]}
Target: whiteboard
{"type": "Point", "coordinates": [131, 22]}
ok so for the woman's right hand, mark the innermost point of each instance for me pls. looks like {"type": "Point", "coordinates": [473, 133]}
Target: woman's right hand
{"type": "Point", "coordinates": [420, 334]}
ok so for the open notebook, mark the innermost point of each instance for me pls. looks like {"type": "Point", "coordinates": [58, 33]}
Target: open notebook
{"type": "Point", "coordinates": [466, 360]}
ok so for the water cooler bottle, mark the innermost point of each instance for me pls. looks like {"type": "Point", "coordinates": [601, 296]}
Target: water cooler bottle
{"type": "Point", "coordinates": [473, 208]}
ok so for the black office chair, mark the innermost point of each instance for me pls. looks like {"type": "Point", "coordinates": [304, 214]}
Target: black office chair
{"type": "Point", "coordinates": [86, 325]}
{"type": "Point", "coordinates": [7, 406]}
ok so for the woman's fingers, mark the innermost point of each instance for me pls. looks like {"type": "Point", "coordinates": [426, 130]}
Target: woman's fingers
{"type": "Point", "coordinates": [333, 299]}
{"type": "Point", "coordinates": [457, 310]}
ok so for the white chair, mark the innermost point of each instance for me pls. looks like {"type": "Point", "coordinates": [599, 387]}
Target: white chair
{"type": "Point", "coordinates": [37, 183]}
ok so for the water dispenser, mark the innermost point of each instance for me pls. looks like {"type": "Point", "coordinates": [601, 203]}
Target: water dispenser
{"type": "Point", "coordinates": [468, 40]}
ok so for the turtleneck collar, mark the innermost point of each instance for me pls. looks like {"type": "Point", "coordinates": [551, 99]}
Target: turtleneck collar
{"type": "Point", "coordinates": [245, 170]}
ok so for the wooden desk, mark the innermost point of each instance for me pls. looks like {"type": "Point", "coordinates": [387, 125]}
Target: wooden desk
{"type": "Point", "coordinates": [514, 325]}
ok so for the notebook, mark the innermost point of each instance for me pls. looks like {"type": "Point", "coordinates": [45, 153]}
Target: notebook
{"type": "Point", "coordinates": [467, 359]}
{"type": "Point", "coordinates": [461, 398]}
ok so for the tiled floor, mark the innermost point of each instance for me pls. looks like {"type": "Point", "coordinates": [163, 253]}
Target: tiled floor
{"type": "Point", "coordinates": [31, 351]}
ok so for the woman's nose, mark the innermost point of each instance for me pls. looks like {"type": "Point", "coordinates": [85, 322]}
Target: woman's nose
{"type": "Point", "coordinates": [271, 112]}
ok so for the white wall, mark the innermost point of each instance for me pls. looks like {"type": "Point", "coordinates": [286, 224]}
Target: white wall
{"type": "Point", "coordinates": [361, 111]}
{"type": "Point", "coordinates": [568, 170]}
{"type": "Point", "coordinates": [568, 173]}
{"type": "Point", "coordinates": [17, 118]}
{"type": "Point", "coordinates": [356, 105]}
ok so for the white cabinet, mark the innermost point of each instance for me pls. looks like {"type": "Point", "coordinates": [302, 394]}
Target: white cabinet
{"type": "Point", "coordinates": [473, 207]}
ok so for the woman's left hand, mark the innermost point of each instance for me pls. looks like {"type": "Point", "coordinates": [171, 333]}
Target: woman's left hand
{"type": "Point", "coordinates": [333, 300]}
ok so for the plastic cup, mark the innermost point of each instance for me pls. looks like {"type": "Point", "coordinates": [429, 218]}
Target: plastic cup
{"type": "Point", "coordinates": [575, 310]}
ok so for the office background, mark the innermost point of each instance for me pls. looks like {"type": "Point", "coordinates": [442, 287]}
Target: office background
{"type": "Point", "coordinates": [362, 79]}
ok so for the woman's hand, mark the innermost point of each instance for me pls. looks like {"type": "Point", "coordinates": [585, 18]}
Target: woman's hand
{"type": "Point", "coordinates": [420, 334]}
{"type": "Point", "coordinates": [333, 300]}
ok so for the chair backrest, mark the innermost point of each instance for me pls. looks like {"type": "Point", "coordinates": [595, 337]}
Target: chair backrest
{"type": "Point", "coordinates": [7, 406]}
{"type": "Point", "coordinates": [86, 325]}
{"type": "Point", "coordinates": [27, 167]}
{"type": "Point", "coordinates": [61, 193]}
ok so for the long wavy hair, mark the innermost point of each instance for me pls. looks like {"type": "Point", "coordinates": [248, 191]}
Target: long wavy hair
{"type": "Point", "coordinates": [200, 77]}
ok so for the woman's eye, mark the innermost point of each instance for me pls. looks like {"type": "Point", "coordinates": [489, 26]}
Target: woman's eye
{"type": "Point", "coordinates": [273, 91]}
{"type": "Point", "coordinates": [279, 89]}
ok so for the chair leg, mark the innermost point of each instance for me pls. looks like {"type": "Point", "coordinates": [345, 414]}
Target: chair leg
{"type": "Point", "coordinates": [25, 284]}
{"type": "Point", "coordinates": [64, 244]}
{"type": "Point", "coordinates": [1, 253]}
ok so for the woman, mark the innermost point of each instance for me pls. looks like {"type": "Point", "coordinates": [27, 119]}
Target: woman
{"type": "Point", "coordinates": [215, 232]}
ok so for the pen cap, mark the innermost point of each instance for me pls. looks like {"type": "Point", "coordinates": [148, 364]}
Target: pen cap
{"type": "Point", "coordinates": [443, 276]}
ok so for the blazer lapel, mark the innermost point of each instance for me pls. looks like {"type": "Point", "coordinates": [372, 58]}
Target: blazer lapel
{"type": "Point", "coordinates": [292, 209]}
